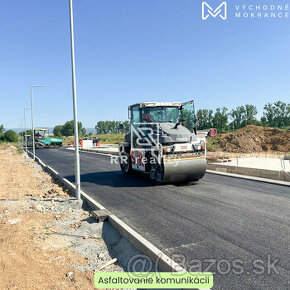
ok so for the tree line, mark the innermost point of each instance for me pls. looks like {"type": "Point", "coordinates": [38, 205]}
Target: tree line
{"type": "Point", "coordinates": [107, 127]}
{"type": "Point", "coordinates": [274, 115]}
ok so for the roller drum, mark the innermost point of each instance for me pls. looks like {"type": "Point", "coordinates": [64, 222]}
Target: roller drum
{"type": "Point", "coordinates": [179, 170]}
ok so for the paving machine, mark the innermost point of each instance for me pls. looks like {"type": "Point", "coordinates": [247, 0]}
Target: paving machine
{"type": "Point", "coordinates": [42, 140]}
{"type": "Point", "coordinates": [163, 143]}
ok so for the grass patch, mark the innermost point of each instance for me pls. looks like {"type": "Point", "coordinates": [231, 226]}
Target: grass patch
{"type": "Point", "coordinates": [19, 148]}
{"type": "Point", "coordinates": [111, 138]}
{"type": "Point", "coordinates": [212, 143]}
{"type": "Point", "coordinates": [67, 140]}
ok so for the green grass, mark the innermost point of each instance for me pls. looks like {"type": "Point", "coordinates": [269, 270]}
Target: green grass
{"type": "Point", "coordinates": [19, 148]}
{"type": "Point", "coordinates": [212, 143]}
{"type": "Point", "coordinates": [111, 138]}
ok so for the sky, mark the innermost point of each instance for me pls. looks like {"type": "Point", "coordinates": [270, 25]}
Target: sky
{"type": "Point", "coordinates": [129, 51]}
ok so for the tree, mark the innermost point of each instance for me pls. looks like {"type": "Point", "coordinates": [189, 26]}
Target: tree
{"type": "Point", "coordinates": [188, 119]}
{"type": "Point", "coordinates": [2, 133]}
{"type": "Point", "coordinates": [264, 121]}
{"type": "Point", "coordinates": [99, 127]}
{"type": "Point", "coordinates": [10, 136]}
{"type": "Point", "coordinates": [205, 118]}
{"type": "Point", "coordinates": [57, 131]}
{"type": "Point", "coordinates": [27, 132]}
{"type": "Point", "coordinates": [126, 125]}
{"type": "Point", "coordinates": [68, 128]}
{"type": "Point", "coordinates": [243, 116]}
{"type": "Point", "coordinates": [220, 119]}
{"type": "Point", "coordinates": [276, 115]}
{"type": "Point", "coordinates": [250, 113]}
{"type": "Point", "coordinates": [237, 115]}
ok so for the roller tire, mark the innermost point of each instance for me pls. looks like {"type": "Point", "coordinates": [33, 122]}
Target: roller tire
{"type": "Point", "coordinates": [126, 166]}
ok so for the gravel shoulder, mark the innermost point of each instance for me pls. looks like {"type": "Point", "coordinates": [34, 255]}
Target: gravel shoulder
{"type": "Point", "coordinates": [48, 239]}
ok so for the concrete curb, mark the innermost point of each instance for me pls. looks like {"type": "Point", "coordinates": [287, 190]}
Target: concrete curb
{"type": "Point", "coordinates": [276, 175]}
{"type": "Point", "coordinates": [254, 178]}
{"type": "Point", "coordinates": [105, 152]}
{"type": "Point", "coordinates": [163, 262]}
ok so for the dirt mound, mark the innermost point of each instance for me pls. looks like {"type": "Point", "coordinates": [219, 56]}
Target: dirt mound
{"type": "Point", "coordinates": [8, 147]}
{"type": "Point", "coordinates": [255, 139]}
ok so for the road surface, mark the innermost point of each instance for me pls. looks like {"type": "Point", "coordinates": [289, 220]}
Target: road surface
{"type": "Point", "coordinates": [237, 228]}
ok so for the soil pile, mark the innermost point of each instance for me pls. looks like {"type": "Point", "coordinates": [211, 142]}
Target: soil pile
{"type": "Point", "coordinates": [255, 139]}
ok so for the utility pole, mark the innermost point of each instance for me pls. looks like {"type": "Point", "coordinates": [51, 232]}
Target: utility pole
{"type": "Point", "coordinates": [25, 125]}
{"type": "Point", "coordinates": [25, 141]}
{"type": "Point", "coordinates": [19, 135]}
{"type": "Point", "coordinates": [32, 123]}
{"type": "Point", "coordinates": [77, 154]}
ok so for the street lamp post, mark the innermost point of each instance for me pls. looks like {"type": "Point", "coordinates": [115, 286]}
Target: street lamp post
{"type": "Point", "coordinates": [19, 135]}
{"type": "Point", "coordinates": [25, 144]}
{"type": "Point", "coordinates": [25, 128]}
{"type": "Point", "coordinates": [77, 155]}
{"type": "Point", "coordinates": [32, 123]}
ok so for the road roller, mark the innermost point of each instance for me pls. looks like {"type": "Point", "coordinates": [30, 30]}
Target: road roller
{"type": "Point", "coordinates": [163, 143]}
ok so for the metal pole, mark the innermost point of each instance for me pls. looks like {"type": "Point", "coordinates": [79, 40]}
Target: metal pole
{"type": "Point", "coordinates": [25, 143]}
{"type": "Point", "coordinates": [32, 124]}
{"type": "Point", "coordinates": [77, 155]}
{"type": "Point", "coordinates": [19, 135]}
{"type": "Point", "coordinates": [31, 96]}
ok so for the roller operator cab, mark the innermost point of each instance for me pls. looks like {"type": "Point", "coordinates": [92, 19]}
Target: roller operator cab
{"type": "Point", "coordinates": [162, 142]}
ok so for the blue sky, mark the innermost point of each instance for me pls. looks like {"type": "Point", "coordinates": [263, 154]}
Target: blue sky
{"type": "Point", "coordinates": [136, 50]}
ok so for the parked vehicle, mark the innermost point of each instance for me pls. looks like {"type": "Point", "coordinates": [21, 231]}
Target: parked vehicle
{"type": "Point", "coordinates": [212, 132]}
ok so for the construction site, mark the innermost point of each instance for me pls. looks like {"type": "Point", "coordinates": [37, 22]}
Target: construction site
{"type": "Point", "coordinates": [144, 145]}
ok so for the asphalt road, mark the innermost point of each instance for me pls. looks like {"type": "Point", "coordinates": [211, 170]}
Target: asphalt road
{"type": "Point", "coordinates": [234, 227]}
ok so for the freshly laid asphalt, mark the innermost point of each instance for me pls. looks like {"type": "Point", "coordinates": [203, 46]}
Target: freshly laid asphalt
{"type": "Point", "coordinates": [234, 227]}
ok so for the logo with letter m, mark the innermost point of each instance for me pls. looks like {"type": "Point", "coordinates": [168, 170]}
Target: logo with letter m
{"type": "Point", "coordinates": [220, 11]}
